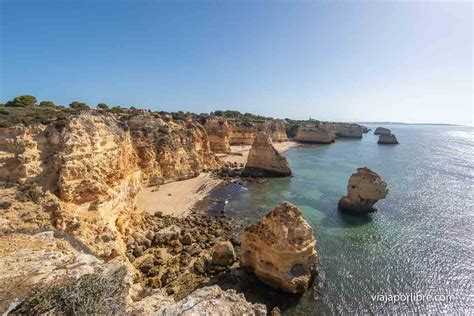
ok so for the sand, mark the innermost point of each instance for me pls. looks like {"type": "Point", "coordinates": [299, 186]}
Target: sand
{"type": "Point", "coordinates": [179, 198]}
{"type": "Point", "coordinates": [240, 153]}
{"type": "Point", "coordinates": [176, 198]}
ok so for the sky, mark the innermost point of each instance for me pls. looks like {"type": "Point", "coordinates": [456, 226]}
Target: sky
{"type": "Point", "coordinates": [330, 60]}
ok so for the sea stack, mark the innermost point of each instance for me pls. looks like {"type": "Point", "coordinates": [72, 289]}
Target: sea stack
{"type": "Point", "coordinates": [314, 134]}
{"type": "Point", "coordinates": [364, 189]}
{"type": "Point", "coordinates": [382, 131]}
{"type": "Point", "coordinates": [387, 139]}
{"type": "Point", "coordinates": [281, 249]}
{"type": "Point", "coordinates": [349, 131]}
{"type": "Point", "coordinates": [265, 159]}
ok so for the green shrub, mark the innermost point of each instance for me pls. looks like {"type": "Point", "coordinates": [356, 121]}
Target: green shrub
{"type": "Point", "coordinates": [47, 104]}
{"type": "Point", "coordinates": [22, 101]}
{"type": "Point", "coordinates": [78, 105]}
{"type": "Point", "coordinates": [102, 106]}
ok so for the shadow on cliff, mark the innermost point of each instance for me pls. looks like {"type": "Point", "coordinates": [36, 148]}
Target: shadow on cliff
{"type": "Point", "coordinates": [254, 290]}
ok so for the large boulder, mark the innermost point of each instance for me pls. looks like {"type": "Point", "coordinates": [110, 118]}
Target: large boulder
{"type": "Point", "coordinates": [382, 131]}
{"type": "Point", "coordinates": [223, 254]}
{"type": "Point", "coordinates": [264, 158]}
{"type": "Point", "coordinates": [212, 300]}
{"type": "Point", "coordinates": [387, 139]}
{"type": "Point", "coordinates": [364, 189]}
{"type": "Point", "coordinates": [314, 134]}
{"type": "Point", "coordinates": [280, 249]}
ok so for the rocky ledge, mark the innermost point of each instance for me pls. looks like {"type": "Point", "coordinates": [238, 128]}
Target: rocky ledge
{"type": "Point", "coordinates": [264, 159]}
{"type": "Point", "coordinates": [280, 249]}
{"type": "Point", "coordinates": [364, 189]}
{"type": "Point", "coordinates": [387, 139]}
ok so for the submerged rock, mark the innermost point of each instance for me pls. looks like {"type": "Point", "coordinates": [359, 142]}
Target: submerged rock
{"type": "Point", "coordinates": [314, 134]}
{"type": "Point", "coordinates": [382, 131]}
{"type": "Point", "coordinates": [264, 158]}
{"type": "Point", "coordinates": [364, 189]}
{"type": "Point", "coordinates": [387, 139]}
{"type": "Point", "coordinates": [280, 249]}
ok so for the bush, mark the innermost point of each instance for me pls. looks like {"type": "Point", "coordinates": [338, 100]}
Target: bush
{"type": "Point", "coordinates": [102, 106]}
{"type": "Point", "coordinates": [91, 294]}
{"type": "Point", "coordinates": [47, 104]}
{"type": "Point", "coordinates": [78, 105]}
{"type": "Point", "coordinates": [22, 101]}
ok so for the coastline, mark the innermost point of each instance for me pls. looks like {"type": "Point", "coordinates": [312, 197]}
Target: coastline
{"type": "Point", "coordinates": [180, 198]}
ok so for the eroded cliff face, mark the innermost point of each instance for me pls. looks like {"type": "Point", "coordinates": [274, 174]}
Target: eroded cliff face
{"type": "Point", "coordinates": [275, 129]}
{"type": "Point", "coordinates": [264, 158]}
{"type": "Point", "coordinates": [311, 133]}
{"type": "Point", "coordinates": [218, 132]}
{"type": "Point", "coordinates": [83, 179]}
{"type": "Point", "coordinates": [241, 134]}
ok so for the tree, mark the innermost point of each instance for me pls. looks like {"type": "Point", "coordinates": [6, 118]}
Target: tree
{"type": "Point", "coordinates": [22, 101]}
{"type": "Point", "coordinates": [47, 104]}
{"type": "Point", "coordinates": [102, 106]}
{"type": "Point", "coordinates": [78, 105]}
{"type": "Point", "coordinates": [116, 109]}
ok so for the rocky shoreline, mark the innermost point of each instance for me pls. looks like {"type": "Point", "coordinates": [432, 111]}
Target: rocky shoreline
{"type": "Point", "coordinates": [80, 174]}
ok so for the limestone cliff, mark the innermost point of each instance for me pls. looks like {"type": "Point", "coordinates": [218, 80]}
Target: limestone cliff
{"type": "Point", "coordinates": [280, 249]}
{"type": "Point", "coordinates": [241, 134]}
{"type": "Point", "coordinates": [219, 133]}
{"type": "Point", "coordinates": [275, 129]}
{"type": "Point", "coordinates": [264, 158]}
{"type": "Point", "coordinates": [310, 133]}
{"type": "Point", "coordinates": [82, 178]}
{"type": "Point", "coordinates": [364, 189]}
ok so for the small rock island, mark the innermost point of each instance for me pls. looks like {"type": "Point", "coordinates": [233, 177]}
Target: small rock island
{"type": "Point", "coordinates": [382, 131]}
{"type": "Point", "coordinates": [387, 139]}
{"type": "Point", "coordinates": [281, 249]}
{"type": "Point", "coordinates": [364, 189]}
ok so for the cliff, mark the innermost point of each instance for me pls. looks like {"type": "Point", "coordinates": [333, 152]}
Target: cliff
{"type": "Point", "coordinates": [218, 132]}
{"type": "Point", "coordinates": [276, 129]}
{"type": "Point", "coordinates": [241, 134]}
{"type": "Point", "coordinates": [311, 133]}
{"type": "Point", "coordinates": [82, 178]}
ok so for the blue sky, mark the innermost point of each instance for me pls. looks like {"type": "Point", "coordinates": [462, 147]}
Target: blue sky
{"type": "Point", "coordinates": [344, 61]}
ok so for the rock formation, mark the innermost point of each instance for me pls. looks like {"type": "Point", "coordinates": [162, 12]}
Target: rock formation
{"type": "Point", "coordinates": [219, 133]}
{"type": "Point", "coordinates": [364, 189]}
{"type": "Point", "coordinates": [381, 131]}
{"type": "Point", "coordinates": [280, 249]}
{"type": "Point", "coordinates": [212, 300]}
{"type": "Point", "coordinates": [343, 130]}
{"type": "Point", "coordinates": [275, 129]}
{"type": "Point", "coordinates": [365, 129]}
{"type": "Point", "coordinates": [387, 139]}
{"type": "Point", "coordinates": [313, 134]}
{"type": "Point", "coordinates": [264, 158]}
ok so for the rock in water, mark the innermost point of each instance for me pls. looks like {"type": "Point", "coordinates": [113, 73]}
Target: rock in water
{"type": "Point", "coordinates": [223, 254]}
{"type": "Point", "coordinates": [264, 158]}
{"type": "Point", "coordinates": [382, 131]}
{"type": "Point", "coordinates": [387, 139]}
{"type": "Point", "coordinates": [280, 249]}
{"type": "Point", "coordinates": [364, 189]}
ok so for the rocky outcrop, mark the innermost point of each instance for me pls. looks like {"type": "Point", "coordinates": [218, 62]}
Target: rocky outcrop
{"type": "Point", "coordinates": [365, 129]}
{"type": "Point", "coordinates": [280, 249]}
{"type": "Point", "coordinates": [364, 189]}
{"type": "Point", "coordinates": [219, 133]}
{"type": "Point", "coordinates": [343, 130]}
{"type": "Point", "coordinates": [382, 131]}
{"type": "Point", "coordinates": [242, 134]}
{"type": "Point", "coordinates": [212, 300]}
{"type": "Point", "coordinates": [264, 158]}
{"type": "Point", "coordinates": [310, 133]}
{"type": "Point", "coordinates": [387, 139]}
{"type": "Point", "coordinates": [276, 129]}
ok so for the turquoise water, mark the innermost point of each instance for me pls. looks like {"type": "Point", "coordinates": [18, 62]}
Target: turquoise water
{"type": "Point", "coordinates": [420, 240]}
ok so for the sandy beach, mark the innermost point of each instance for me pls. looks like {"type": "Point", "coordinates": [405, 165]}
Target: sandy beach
{"type": "Point", "coordinates": [239, 154]}
{"type": "Point", "coordinates": [176, 198]}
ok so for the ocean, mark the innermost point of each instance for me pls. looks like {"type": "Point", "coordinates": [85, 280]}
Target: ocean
{"type": "Point", "coordinates": [418, 248]}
